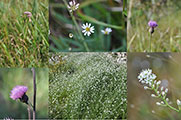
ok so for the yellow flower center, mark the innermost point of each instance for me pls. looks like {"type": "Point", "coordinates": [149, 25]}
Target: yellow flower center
{"type": "Point", "coordinates": [87, 29]}
{"type": "Point", "coordinates": [106, 32]}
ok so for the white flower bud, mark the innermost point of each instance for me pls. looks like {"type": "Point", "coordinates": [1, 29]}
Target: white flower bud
{"type": "Point", "coordinates": [162, 102]}
{"type": "Point", "coordinates": [167, 99]}
{"type": "Point", "coordinates": [163, 93]}
{"type": "Point", "coordinates": [161, 89]}
{"type": "Point", "coordinates": [159, 82]}
{"type": "Point", "coordinates": [166, 90]}
{"type": "Point", "coordinates": [153, 95]}
{"type": "Point", "coordinates": [158, 103]}
{"type": "Point", "coordinates": [178, 102]}
{"type": "Point", "coordinates": [145, 87]}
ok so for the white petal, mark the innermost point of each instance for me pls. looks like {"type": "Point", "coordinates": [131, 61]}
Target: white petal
{"type": "Point", "coordinates": [84, 31]}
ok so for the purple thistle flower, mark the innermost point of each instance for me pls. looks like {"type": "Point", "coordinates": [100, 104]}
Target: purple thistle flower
{"type": "Point", "coordinates": [19, 92]}
{"type": "Point", "coordinates": [152, 24]}
{"type": "Point", "coordinates": [28, 14]}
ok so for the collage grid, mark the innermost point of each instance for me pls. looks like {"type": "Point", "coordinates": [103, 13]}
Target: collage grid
{"type": "Point", "coordinates": [90, 59]}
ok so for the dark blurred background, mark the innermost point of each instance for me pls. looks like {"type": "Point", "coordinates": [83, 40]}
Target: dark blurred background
{"type": "Point", "coordinates": [9, 78]}
{"type": "Point", "coordinates": [167, 67]}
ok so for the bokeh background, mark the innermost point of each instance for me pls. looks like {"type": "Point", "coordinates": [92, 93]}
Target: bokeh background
{"type": "Point", "coordinates": [167, 35]}
{"type": "Point", "coordinates": [106, 11]}
{"type": "Point", "coordinates": [167, 67]}
{"type": "Point", "coordinates": [9, 78]}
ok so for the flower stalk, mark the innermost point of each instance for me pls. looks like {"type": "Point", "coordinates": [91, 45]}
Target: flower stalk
{"type": "Point", "coordinates": [34, 96]}
{"type": "Point", "coordinates": [77, 26]}
{"type": "Point", "coordinates": [148, 78]}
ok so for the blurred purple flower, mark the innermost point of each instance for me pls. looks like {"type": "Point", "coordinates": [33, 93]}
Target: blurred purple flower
{"type": "Point", "coordinates": [28, 14]}
{"type": "Point", "coordinates": [152, 24]}
{"type": "Point", "coordinates": [18, 92]}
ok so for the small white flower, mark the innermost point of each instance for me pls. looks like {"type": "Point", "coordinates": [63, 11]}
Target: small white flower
{"type": "Point", "coordinates": [153, 95]}
{"type": "Point", "coordinates": [159, 82]}
{"type": "Point", "coordinates": [167, 99]}
{"type": "Point", "coordinates": [161, 89]}
{"type": "Point", "coordinates": [163, 93]}
{"type": "Point", "coordinates": [106, 31]}
{"type": "Point", "coordinates": [87, 29]}
{"type": "Point", "coordinates": [166, 90]}
{"type": "Point", "coordinates": [145, 87]}
{"type": "Point", "coordinates": [73, 6]}
{"type": "Point", "coordinates": [71, 35]}
{"type": "Point", "coordinates": [162, 102]}
{"type": "Point", "coordinates": [178, 102]}
{"type": "Point", "coordinates": [158, 103]}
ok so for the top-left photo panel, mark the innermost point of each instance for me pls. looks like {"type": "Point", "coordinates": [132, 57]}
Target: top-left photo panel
{"type": "Point", "coordinates": [87, 25]}
{"type": "Point", "coordinates": [24, 30]}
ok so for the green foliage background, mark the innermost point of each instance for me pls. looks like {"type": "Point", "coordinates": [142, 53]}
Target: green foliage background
{"type": "Point", "coordinates": [9, 78]}
{"type": "Point", "coordinates": [87, 86]}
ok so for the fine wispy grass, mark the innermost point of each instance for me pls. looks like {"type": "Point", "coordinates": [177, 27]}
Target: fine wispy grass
{"type": "Point", "coordinates": [23, 43]}
{"type": "Point", "coordinates": [167, 35]}
{"type": "Point", "coordinates": [87, 86]}
{"type": "Point", "coordinates": [100, 13]}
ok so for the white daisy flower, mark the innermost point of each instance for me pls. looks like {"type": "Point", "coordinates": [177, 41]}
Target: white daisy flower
{"type": "Point", "coordinates": [71, 35]}
{"type": "Point", "coordinates": [73, 6]}
{"type": "Point", "coordinates": [87, 29]}
{"type": "Point", "coordinates": [106, 31]}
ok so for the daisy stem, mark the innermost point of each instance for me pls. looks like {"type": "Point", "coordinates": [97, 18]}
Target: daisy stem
{"type": "Point", "coordinates": [77, 27]}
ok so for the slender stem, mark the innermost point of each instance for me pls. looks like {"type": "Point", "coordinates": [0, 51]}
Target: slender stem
{"type": "Point", "coordinates": [29, 112]}
{"type": "Point", "coordinates": [77, 27]}
{"type": "Point", "coordinates": [150, 43]}
{"type": "Point", "coordinates": [166, 103]}
{"type": "Point", "coordinates": [34, 96]}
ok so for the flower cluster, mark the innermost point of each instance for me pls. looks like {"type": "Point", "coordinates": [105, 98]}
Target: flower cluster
{"type": "Point", "coordinates": [148, 78]}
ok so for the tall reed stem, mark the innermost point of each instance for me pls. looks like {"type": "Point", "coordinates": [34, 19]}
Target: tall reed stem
{"type": "Point", "coordinates": [34, 95]}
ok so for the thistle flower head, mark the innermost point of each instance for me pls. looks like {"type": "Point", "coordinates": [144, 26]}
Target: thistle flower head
{"type": "Point", "coordinates": [106, 31]}
{"type": "Point", "coordinates": [19, 92]}
{"type": "Point", "coordinates": [152, 24]}
{"type": "Point", "coordinates": [28, 14]}
{"type": "Point", "coordinates": [87, 29]}
{"type": "Point", "coordinates": [73, 6]}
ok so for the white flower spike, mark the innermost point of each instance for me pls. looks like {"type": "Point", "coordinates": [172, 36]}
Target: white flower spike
{"type": "Point", "coordinates": [87, 29]}
{"type": "Point", "coordinates": [73, 6]}
{"type": "Point", "coordinates": [106, 31]}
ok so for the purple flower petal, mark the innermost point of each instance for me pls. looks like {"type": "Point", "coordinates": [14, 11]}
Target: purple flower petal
{"type": "Point", "coordinates": [18, 91]}
{"type": "Point", "coordinates": [152, 24]}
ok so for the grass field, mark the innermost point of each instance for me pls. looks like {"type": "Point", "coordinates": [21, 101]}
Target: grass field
{"type": "Point", "coordinates": [87, 86]}
{"type": "Point", "coordinates": [101, 14]}
{"type": "Point", "coordinates": [167, 36]}
{"type": "Point", "coordinates": [23, 42]}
